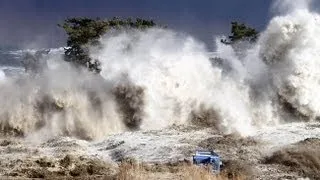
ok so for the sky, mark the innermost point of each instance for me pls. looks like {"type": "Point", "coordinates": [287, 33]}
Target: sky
{"type": "Point", "coordinates": [27, 23]}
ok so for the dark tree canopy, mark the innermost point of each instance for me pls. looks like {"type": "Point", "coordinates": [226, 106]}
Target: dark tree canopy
{"type": "Point", "coordinates": [241, 32]}
{"type": "Point", "coordinates": [85, 32]}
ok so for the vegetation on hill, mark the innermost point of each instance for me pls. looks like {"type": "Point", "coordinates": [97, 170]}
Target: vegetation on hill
{"type": "Point", "coordinates": [85, 32]}
{"type": "Point", "coordinates": [241, 32]}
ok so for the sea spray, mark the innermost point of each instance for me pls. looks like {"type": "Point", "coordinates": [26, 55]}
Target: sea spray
{"type": "Point", "coordinates": [178, 78]}
{"type": "Point", "coordinates": [61, 101]}
{"type": "Point", "coordinates": [149, 80]}
{"type": "Point", "coordinates": [2, 76]}
{"type": "Point", "coordinates": [290, 48]}
{"type": "Point", "coordinates": [156, 78]}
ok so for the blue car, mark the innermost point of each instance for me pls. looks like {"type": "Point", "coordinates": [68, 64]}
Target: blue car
{"type": "Point", "coordinates": [208, 158]}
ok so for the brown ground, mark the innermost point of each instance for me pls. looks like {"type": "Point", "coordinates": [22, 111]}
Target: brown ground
{"type": "Point", "coordinates": [79, 168]}
{"type": "Point", "coordinates": [302, 157]}
{"type": "Point", "coordinates": [242, 159]}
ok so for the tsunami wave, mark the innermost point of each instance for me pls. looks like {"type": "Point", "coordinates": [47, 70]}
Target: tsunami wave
{"type": "Point", "coordinates": [157, 78]}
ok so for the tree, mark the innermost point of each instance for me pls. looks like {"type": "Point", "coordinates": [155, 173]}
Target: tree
{"type": "Point", "coordinates": [241, 32]}
{"type": "Point", "coordinates": [85, 32]}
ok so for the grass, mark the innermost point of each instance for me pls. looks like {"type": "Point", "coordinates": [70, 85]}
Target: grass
{"type": "Point", "coordinates": [130, 171]}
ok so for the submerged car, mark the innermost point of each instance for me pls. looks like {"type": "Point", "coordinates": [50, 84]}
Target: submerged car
{"type": "Point", "coordinates": [208, 158]}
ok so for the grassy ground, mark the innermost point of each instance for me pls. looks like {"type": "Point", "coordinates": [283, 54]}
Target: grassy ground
{"type": "Point", "coordinates": [129, 171]}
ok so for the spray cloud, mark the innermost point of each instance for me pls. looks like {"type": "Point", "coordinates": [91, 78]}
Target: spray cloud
{"type": "Point", "coordinates": [156, 78]}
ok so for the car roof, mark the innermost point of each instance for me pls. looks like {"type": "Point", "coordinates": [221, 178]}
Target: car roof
{"type": "Point", "coordinates": [206, 153]}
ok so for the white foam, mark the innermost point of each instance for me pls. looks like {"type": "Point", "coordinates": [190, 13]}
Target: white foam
{"type": "Point", "coordinates": [178, 78]}
{"type": "Point", "coordinates": [2, 76]}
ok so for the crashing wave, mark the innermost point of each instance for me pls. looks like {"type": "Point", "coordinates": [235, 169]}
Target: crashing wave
{"type": "Point", "coordinates": [158, 78]}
